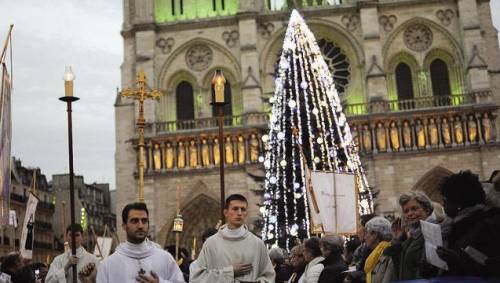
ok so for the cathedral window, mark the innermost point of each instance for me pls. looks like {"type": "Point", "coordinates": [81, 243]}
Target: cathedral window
{"type": "Point", "coordinates": [440, 78]}
{"type": "Point", "coordinates": [404, 82]}
{"type": "Point", "coordinates": [184, 99]}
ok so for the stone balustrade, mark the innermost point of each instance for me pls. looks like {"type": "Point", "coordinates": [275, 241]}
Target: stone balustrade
{"type": "Point", "coordinates": [422, 124]}
{"type": "Point", "coordinates": [424, 130]}
{"type": "Point", "coordinates": [201, 150]}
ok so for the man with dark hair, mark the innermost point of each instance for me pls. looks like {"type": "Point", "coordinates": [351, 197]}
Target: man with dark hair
{"type": "Point", "coordinates": [234, 254]}
{"type": "Point", "coordinates": [60, 270]}
{"type": "Point", "coordinates": [138, 259]}
{"type": "Point", "coordinates": [314, 258]}
{"type": "Point", "coordinates": [472, 250]}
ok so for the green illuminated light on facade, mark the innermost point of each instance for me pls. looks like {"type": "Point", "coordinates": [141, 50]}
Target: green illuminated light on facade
{"type": "Point", "coordinates": [171, 10]}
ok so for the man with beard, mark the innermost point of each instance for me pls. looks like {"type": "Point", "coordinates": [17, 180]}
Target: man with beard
{"type": "Point", "coordinates": [234, 254]}
{"type": "Point", "coordinates": [138, 259]}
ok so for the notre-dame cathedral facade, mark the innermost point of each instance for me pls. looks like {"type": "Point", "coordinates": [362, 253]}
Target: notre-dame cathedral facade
{"type": "Point", "coordinates": [419, 79]}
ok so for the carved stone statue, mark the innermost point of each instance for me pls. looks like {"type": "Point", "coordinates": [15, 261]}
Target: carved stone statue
{"type": "Point", "coordinates": [254, 148]}
{"type": "Point", "coordinates": [433, 132]}
{"type": "Point", "coordinates": [445, 128]}
{"type": "Point", "coordinates": [367, 138]}
{"type": "Point", "coordinates": [205, 156]}
{"type": "Point", "coordinates": [169, 156]}
{"type": "Point", "coordinates": [459, 134]}
{"type": "Point", "coordinates": [156, 157]}
{"type": "Point", "coordinates": [241, 150]}
{"type": "Point", "coordinates": [216, 151]}
{"type": "Point", "coordinates": [381, 138]}
{"type": "Point", "coordinates": [407, 135]}
{"type": "Point", "coordinates": [394, 135]}
{"type": "Point", "coordinates": [193, 154]}
{"type": "Point", "coordinates": [181, 155]}
{"type": "Point", "coordinates": [228, 147]}
{"type": "Point", "coordinates": [486, 127]}
{"type": "Point", "coordinates": [419, 128]}
{"type": "Point", "coordinates": [472, 128]}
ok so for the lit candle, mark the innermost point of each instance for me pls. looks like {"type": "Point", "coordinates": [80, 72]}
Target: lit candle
{"type": "Point", "coordinates": [68, 81]}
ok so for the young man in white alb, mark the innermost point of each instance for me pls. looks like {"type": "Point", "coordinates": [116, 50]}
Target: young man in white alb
{"type": "Point", "coordinates": [234, 254]}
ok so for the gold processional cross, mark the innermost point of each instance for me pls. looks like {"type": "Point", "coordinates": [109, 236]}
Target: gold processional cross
{"type": "Point", "coordinates": [141, 94]}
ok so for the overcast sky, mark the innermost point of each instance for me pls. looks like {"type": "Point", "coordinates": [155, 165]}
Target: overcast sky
{"type": "Point", "coordinates": [48, 35]}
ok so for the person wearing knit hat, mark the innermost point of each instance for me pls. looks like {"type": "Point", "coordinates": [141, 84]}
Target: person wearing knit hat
{"type": "Point", "coordinates": [379, 268]}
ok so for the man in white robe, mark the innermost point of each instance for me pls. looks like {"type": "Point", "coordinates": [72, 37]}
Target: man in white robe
{"type": "Point", "coordinates": [234, 254]}
{"type": "Point", "coordinates": [138, 259]}
{"type": "Point", "coordinates": [61, 270]}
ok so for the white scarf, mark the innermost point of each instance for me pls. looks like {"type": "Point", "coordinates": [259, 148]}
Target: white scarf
{"type": "Point", "coordinates": [237, 233]}
{"type": "Point", "coordinates": [137, 251]}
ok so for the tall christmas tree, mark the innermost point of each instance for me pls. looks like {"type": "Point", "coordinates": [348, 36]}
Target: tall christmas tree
{"type": "Point", "coordinates": [306, 116]}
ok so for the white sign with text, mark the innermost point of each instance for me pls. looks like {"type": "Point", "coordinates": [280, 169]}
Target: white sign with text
{"type": "Point", "coordinates": [336, 197]}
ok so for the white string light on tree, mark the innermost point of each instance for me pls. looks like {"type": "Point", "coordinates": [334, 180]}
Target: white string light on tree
{"type": "Point", "coordinates": [306, 111]}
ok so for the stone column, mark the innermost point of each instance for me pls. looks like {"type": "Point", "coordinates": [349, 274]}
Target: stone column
{"type": "Point", "coordinates": [477, 73]}
{"type": "Point", "coordinates": [492, 52]}
{"type": "Point", "coordinates": [376, 85]}
{"type": "Point", "coordinates": [250, 70]}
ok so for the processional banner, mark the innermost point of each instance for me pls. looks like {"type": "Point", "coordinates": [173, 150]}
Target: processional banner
{"type": "Point", "coordinates": [104, 244]}
{"type": "Point", "coordinates": [5, 140]}
{"type": "Point", "coordinates": [336, 199]}
{"type": "Point", "coordinates": [28, 234]}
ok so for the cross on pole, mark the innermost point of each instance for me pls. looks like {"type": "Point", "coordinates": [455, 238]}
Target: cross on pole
{"type": "Point", "coordinates": [141, 93]}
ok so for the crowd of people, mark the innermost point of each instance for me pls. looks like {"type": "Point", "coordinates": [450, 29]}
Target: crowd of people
{"type": "Point", "coordinates": [382, 251]}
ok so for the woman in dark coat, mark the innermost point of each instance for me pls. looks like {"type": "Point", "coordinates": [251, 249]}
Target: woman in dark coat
{"type": "Point", "coordinates": [473, 246]}
{"type": "Point", "coordinates": [331, 247]}
{"type": "Point", "coordinates": [407, 249]}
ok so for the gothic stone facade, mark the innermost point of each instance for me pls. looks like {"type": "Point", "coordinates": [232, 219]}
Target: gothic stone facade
{"type": "Point", "coordinates": [389, 58]}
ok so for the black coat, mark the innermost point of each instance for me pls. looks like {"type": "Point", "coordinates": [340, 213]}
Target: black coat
{"type": "Point", "coordinates": [408, 256]}
{"type": "Point", "coordinates": [333, 270]}
{"type": "Point", "coordinates": [283, 273]}
{"type": "Point", "coordinates": [479, 229]}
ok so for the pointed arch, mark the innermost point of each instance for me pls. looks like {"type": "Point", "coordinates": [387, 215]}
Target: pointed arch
{"type": "Point", "coordinates": [454, 68]}
{"type": "Point", "coordinates": [199, 214]}
{"type": "Point", "coordinates": [184, 101]}
{"type": "Point", "coordinates": [166, 71]}
{"type": "Point", "coordinates": [396, 60]}
{"type": "Point", "coordinates": [168, 102]}
{"type": "Point", "coordinates": [429, 182]}
{"type": "Point", "coordinates": [323, 29]}
{"type": "Point", "coordinates": [455, 46]}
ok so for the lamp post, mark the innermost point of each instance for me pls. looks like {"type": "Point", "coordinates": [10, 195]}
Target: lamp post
{"type": "Point", "coordinates": [69, 99]}
{"type": "Point", "coordinates": [178, 227]}
{"type": "Point", "coordinates": [141, 94]}
{"type": "Point", "coordinates": [218, 101]}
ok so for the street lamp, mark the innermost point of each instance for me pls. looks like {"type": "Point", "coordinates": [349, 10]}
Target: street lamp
{"type": "Point", "coordinates": [178, 227]}
{"type": "Point", "coordinates": [68, 97]}
{"type": "Point", "coordinates": [218, 101]}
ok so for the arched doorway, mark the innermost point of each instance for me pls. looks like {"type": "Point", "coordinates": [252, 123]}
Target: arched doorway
{"type": "Point", "coordinates": [429, 183]}
{"type": "Point", "coordinates": [199, 214]}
